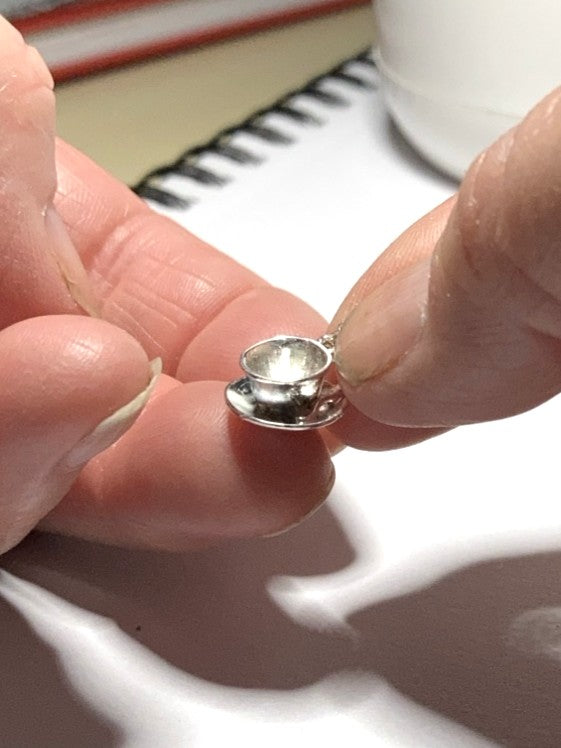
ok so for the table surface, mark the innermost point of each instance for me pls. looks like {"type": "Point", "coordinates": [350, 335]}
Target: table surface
{"type": "Point", "coordinates": [132, 119]}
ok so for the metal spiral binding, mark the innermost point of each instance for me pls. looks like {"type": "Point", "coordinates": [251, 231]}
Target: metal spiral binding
{"type": "Point", "coordinates": [150, 186]}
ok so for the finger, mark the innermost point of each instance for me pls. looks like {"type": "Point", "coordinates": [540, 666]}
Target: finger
{"type": "Point", "coordinates": [159, 282]}
{"type": "Point", "coordinates": [155, 279]}
{"type": "Point", "coordinates": [472, 331]}
{"type": "Point", "coordinates": [413, 245]}
{"type": "Point", "coordinates": [63, 383]}
{"type": "Point", "coordinates": [357, 429]}
{"type": "Point", "coordinates": [256, 315]}
{"type": "Point", "coordinates": [40, 272]}
{"type": "Point", "coordinates": [189, 473]}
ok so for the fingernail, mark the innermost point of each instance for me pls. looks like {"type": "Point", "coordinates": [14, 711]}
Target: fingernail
{"type": "Point", "coordinates": [384, 326]}
{"type": "Point", "coordinates": [69, 263]}
{"type": "Point", "coordinates": [114, 426]}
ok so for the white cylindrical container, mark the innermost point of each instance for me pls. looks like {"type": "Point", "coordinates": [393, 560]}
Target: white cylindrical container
{"type": "Point", "coordinates": [458, 73]}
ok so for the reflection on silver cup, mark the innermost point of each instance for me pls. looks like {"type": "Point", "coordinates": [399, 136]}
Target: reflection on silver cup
{"type": "Point", "coordinates": [285, 374]}
{"type": "Point", "coordinates": [285, 386]}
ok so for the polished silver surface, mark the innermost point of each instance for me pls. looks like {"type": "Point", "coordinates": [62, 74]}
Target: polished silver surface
{"type": "Point", "coordinates": [285, 386]}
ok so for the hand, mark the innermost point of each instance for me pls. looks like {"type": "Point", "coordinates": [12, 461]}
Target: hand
{"type": "Point", "coordinates": [94, 285]}
{"type": "Point", "coordinates": [460, 320]}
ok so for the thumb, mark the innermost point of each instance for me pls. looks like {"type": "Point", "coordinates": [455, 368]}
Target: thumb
{"type": "Point", "coordinates": [69, 387]}
{"type": "Point", "coordinates": [471, 329]}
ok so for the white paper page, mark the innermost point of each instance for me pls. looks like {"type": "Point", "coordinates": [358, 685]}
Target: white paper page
{"type": "Point", "coordinates": [420, 608]}
{"type": "Point", "coordinates": [318, 211]}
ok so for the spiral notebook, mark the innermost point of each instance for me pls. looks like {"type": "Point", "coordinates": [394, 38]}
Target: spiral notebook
{"type": "Point", "coordinates": [306, 192]}
{"type": "Point", "coordinates": [419, 608]}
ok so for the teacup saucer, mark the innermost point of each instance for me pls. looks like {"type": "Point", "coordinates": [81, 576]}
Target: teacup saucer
{"type": "Point", "coordinates": [329, 408]}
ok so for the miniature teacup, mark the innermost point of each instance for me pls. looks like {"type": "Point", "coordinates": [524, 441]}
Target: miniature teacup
{"type": "Point", "coordinates": [286, 373]}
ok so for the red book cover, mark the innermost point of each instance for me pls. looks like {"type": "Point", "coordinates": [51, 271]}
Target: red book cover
{"type": "Point", "coordinates": [78, 37]}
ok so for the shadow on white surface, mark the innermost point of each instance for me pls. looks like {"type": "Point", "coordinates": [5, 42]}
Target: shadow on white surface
{"type": "Point", "coordinates": [207, 613]}
{"type": "Point", "coordinates": [38, 705]}
{"type": "Point", "coordinates": [200, 629]}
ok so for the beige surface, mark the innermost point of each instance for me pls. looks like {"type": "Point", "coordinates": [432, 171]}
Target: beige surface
{"type": "Point", "coordinates": [133, 119]}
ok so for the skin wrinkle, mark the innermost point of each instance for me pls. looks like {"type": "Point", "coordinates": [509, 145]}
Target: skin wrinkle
{"type": "Point", "coordinates": [115, 274]}
{"type": "Point", "coordinates": [78, 192]}
{"type": "Point", "coordinates": [468, 221]}
{"type": "Point", "coordinates": [135, 325]}
{"type": "Point", "coordinates": [488, 341]}
{"type": "Point", "coordinates": [127, 228]}
{"type": "Point", "coordinates": [459, 329]}
{"type": "Point", "coordinates": [105, 265]}
{"type": "Point", "coordinates": [533, 260]}
{"type": "Point", "coordinates": [232, 300]}
{"type": "Point", "coordinates": [541, 260]}
{"type": "Point", "coordinates": [102, 288]}
{"type": "Point", "coordinates": [123, 309]}
{"type": "Point", "coordinates": [162, 267]}
{"type": "Point", "coordinates": [87, 352]}
{"type": "Point", "coordinates": [111, 259]}
{"type": "Point", "coordinates": [80, 226]}
{"type": "Point", "coordinates": [150, 293]}
{"type": "Point", "coordinates": [538, 297]}
{"type": "Point", "coordinates": [139, 330]}
{"type": "Point", "coordinates": [208, 320]}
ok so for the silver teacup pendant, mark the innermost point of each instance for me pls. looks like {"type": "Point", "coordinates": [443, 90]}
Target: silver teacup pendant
{"type": "Point", "coordinates": [285, 385]}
